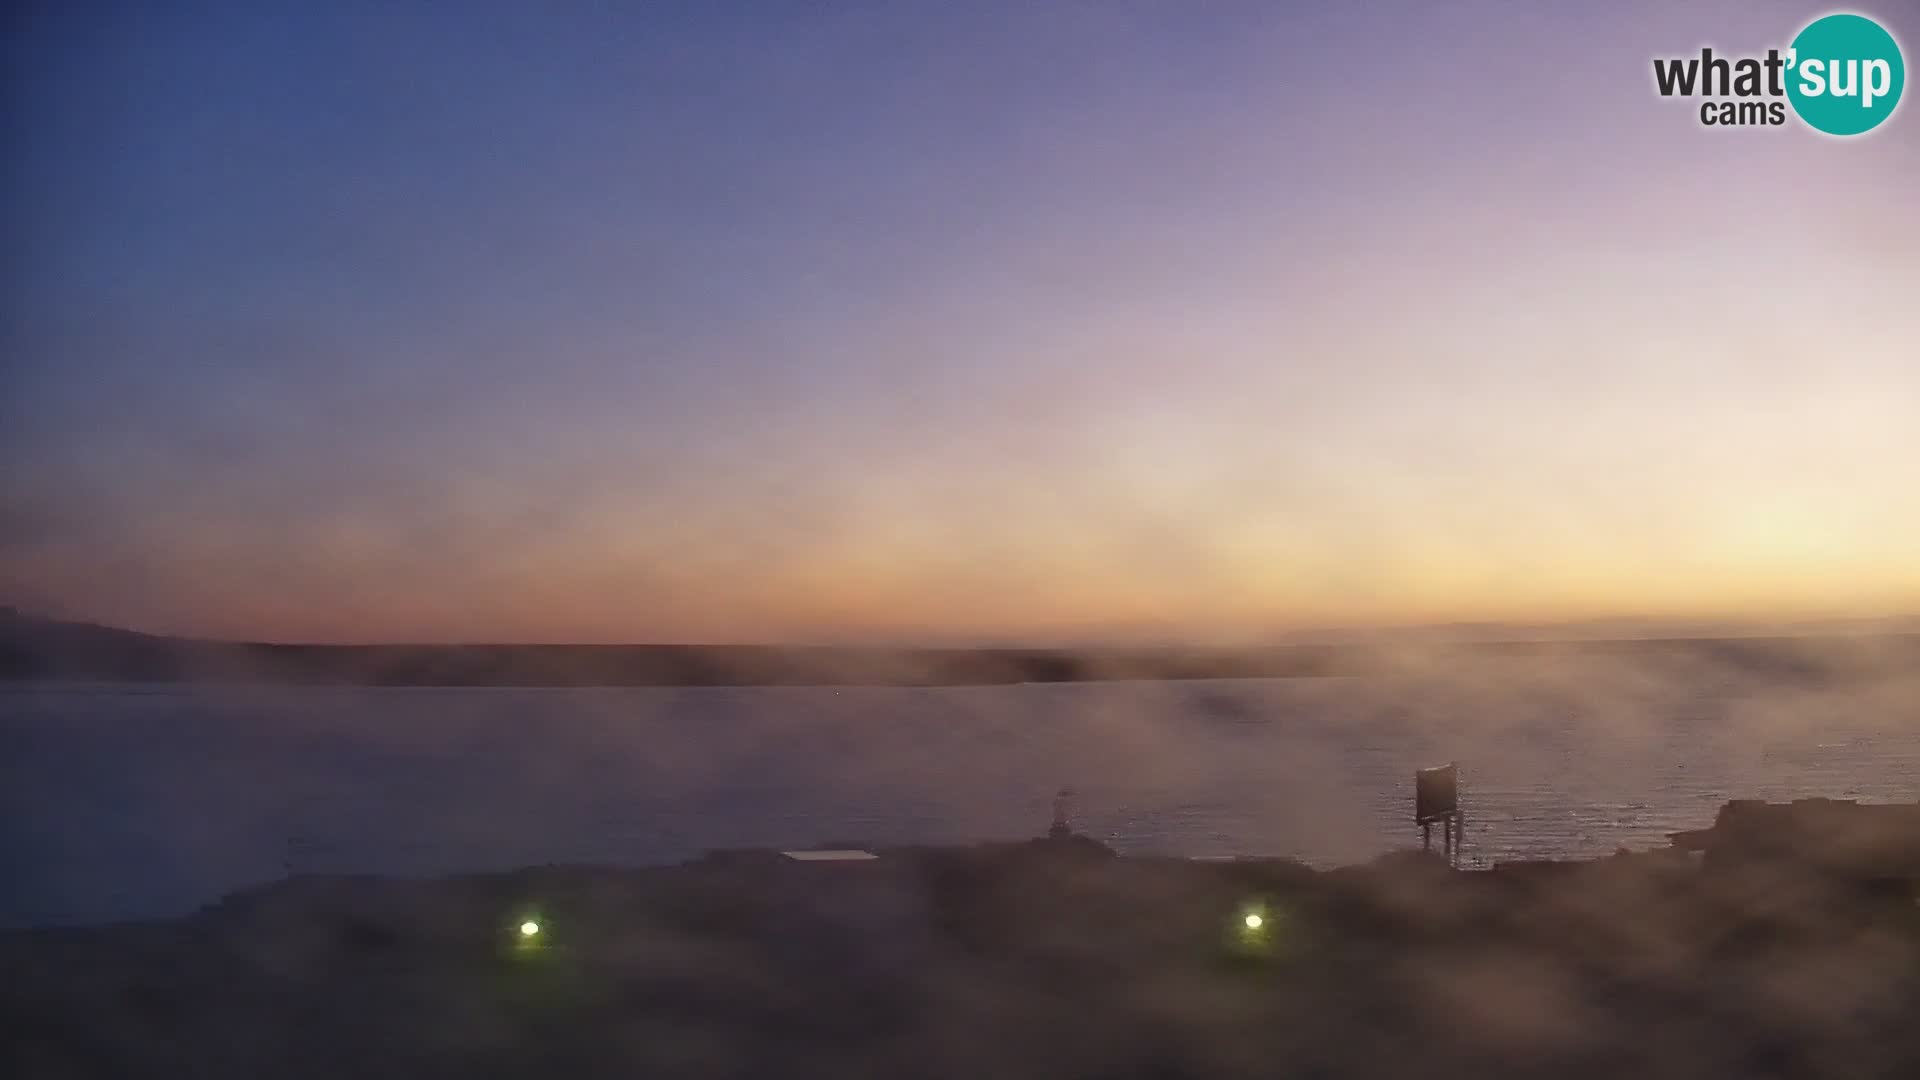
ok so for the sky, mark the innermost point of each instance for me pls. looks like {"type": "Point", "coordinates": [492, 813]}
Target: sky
{"type": "Point", "coordinates": [914, 321]}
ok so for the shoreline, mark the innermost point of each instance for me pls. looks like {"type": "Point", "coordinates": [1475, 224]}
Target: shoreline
{"type": "Point", "coordinates": [1050, 957]}
{"type": "Point", "coordinates": [44, 652]}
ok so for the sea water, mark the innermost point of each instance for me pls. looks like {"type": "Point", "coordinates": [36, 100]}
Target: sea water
{"type": "Point", "coordinates": [137, 801]}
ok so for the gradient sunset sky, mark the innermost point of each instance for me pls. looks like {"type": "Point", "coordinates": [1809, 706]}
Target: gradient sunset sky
{"type": "Point", "coordinates": [935, 321]}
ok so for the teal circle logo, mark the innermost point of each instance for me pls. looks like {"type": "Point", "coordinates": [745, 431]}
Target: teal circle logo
{"type": "Point", "coordinates": [1845, 74]}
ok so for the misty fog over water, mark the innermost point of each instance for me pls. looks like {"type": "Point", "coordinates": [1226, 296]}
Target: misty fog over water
{"type": "Point", "coordinates": [134, 801]}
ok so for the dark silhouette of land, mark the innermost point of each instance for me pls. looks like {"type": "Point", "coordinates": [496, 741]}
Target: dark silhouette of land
{"type": "Point", "coordinates": [33, 648]}
{"type": "Point", "coordinates": [1796, 955]}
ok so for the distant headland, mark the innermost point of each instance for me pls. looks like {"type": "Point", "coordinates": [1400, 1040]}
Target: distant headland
{"type": "Point", "coordinates": [35, 648]}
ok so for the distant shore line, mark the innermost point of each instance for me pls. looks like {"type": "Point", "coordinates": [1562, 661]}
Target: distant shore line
{"type": "Point", "coordinates": [36, 650]}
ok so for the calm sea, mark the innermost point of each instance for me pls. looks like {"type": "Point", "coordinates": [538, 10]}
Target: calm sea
{"type": "Point", "coordinates": [121, 802]}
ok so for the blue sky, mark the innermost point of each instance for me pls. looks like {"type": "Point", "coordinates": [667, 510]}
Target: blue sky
{"type": "Point", "coordinates": [778, 321]}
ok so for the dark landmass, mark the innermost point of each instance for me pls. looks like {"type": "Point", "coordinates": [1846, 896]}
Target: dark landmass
{"type": "Point", "coordinates": [1791, 948]}
{"type": "Point", "coordinates": [33, 648]}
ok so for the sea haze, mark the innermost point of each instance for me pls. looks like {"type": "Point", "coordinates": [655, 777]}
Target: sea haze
{"type": "Point", "coordinates": [126, 801]}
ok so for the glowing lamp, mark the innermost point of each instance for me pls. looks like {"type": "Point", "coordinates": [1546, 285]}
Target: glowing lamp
{"type": "Point", "coordinates": [1253, 920]}
{"type": "Point", "coordinates": [529, 928]}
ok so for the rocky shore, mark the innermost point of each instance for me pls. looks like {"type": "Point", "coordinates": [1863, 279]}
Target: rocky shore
{"type": "Point", "coordinates": [1047, 958]}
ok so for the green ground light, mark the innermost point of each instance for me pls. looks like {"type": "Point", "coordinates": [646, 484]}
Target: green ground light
{"type": "Point", "coordinates": [529, 934]}
{"type": "Point", "coordinates": [1256, 922]}
{"type": "Point", "coordinates": [1256, 931]}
